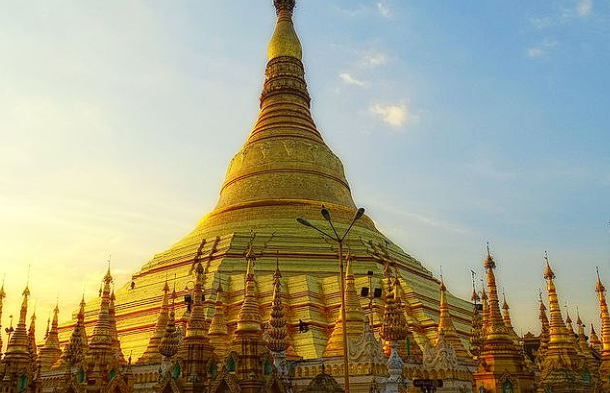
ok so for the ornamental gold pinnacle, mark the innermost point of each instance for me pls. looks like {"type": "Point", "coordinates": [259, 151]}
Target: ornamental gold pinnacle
{"type": "Point", "coordinates": [277, 332]}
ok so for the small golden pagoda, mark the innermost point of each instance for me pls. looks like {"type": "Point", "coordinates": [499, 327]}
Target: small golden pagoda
{"type": "Point", "coordinates": [501, 367]}
{"type": "Point", "coordinates": [283, 171]}
{"type": "Point", "coordinates": [561, 369]}
{"type": "Point", "coordinates": [19, 362]}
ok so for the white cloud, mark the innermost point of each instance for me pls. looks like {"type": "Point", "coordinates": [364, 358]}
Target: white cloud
{"type": "Point", "coordinates": [541, 23]}
{"type": "Point", "coordinates": [541, 49]}
{"type": "Point", "coordinates": [374, 59]}
{"type": "Point", "coordinates": [384, 9]}
{"type": "Point", "coordinates": [353, 12]}
{"type": "Point", "coordinates": [583, 8]}
{"type": "Point", "coordinates": [348, 79]}
{"type": "Point", "coordinates": [394, 115]}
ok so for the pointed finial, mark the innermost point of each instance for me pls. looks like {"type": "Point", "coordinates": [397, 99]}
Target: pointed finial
{"type": "Point", "coordinates": [442, 284]}
{"type": "Point", "coordinates": [548, 272]}
{"type": "Point", "coordinates": [599, 287]}
{"type": "Point", "coordinates": [475, 296]}
{"type": "Point", "coordinates": [489, 261]}
{"type": "Point", "coordinates": [504, 304]}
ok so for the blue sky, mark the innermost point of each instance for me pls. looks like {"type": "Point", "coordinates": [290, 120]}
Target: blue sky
{"type": "Point", "coordinates": [457, 123]}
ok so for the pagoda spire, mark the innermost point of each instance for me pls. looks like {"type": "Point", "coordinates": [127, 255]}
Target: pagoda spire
{"type": "Point", "coordinates": [51, 351]}
{"type": "Point", "coordinates": [170, 342]}
{"type": "Point", "coordinates": [497, 334]}
{"type": "Point", "coordinates": [284, 41]}
{"type": "Point", "coordinates": [277, 321]}
{"type": "Point", "coordinates": [585, 349]}
{"type": "Point", "coordinates": [500, 355]}
{"type": "Point", "coordinates": [32, 347]}
{"type": "Point", "coordinates": [594, 340]}
{"type": "Point", "coordinates": [218, 331]}
{"type": "Point", "coordinates": [77, 347]}
{"type": "Point", "coordinates": [195, 350]}
{"type": "Point", "coordinates": [476, 332]}
{"type": "Point", "coordinates": [152, 354]}
{"type": "Point", "coordinates": [116, 344]}
{"type": "Point", "coordinates": [561, 367]}
{"type": "Point", "coordinates": [20, 357]}
{"type": "Point", "coordinates": [278, 334]}
{"type": "Point", "coordinates": [248, 339]}
{"type": "Point", "coordinates": [446, 325]}
{"type": "Point", "coordinates": [249, 319]}
{"type": "Point", "coordinates": [18, 343]}
{"type": "Point", "coordinates": [604, 369]}
{"type": "Point", "coordinates": [484, 311]}
{"type": "Point", "coordinates": [393, 330]}
{"type": "Point", "coordinates": [354, 314]}
{"type": "Point", "coordinates": [507, 320]}
{"type": "Point", "coordinates": [544, 329]}
{"type": "Point", "coordinates": [101, 341]}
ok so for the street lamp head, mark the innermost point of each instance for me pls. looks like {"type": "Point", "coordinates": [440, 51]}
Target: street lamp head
{"type": "Point", "coordinates": [325, 213]}
{"type": "Point", "coordinates": [359, 214]}
{"type": "Point", "coordinates": [303, 221]}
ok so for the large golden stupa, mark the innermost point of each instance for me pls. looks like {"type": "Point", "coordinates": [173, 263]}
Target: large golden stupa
{"type": "Point", "coordinates": [283, 171]}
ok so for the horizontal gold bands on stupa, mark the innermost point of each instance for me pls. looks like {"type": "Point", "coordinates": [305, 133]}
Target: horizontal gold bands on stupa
{"type": "Point", "coordinates": [261, 136]}
{"type": "Point", "coordinates": [275, 203]}
{"type": "Point", "coordinates": [285, 170]}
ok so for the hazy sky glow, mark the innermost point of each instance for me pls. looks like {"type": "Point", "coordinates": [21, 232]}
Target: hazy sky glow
{"type": "Point", "coordinates": [457, 125]}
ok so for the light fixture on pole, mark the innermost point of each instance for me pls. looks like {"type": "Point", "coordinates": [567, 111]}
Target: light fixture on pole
{"type": "Point", "coordinates": [339, 240]}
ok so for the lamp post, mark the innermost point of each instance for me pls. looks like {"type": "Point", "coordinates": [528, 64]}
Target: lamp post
{"type": "Point", "coordinates": [339, 240]}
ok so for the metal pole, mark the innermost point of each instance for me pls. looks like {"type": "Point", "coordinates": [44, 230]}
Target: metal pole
{"type": "Point", "coordinates": [343, 321]}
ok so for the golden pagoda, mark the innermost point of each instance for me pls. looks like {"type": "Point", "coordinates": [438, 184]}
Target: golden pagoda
{"type": "Point", "coordinates": [561, 369]}
{"type": "Point", "coordinates": [501, 367]}
{"type": "Point", "coordinates": [283, 171]}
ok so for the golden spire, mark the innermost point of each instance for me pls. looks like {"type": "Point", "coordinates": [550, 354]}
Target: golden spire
{"type": "Point", "coordinates": [51, 351]}
{"type": "Point", "coordinates": [218, 331]}
{"type": "Point", "coordinates": [284, 41]}
{"type": "Point", "coordinates": [18, 343]}
{"type": "Point", "coordinates": [277, 332]}
{"type": "Point", "coordinates": [248, 340]}
{"type": "Point", "coordinates": [561, 357]}
{"type": "Point", "coordinates": [557, 328]}
{"type": "Point", "coordinates": [594, 340]}
{"type": "Point", "coordinates": [507, 320]}
{"type": "Point", "coordinates": [445, 323]}
{"type": "Point", "coordinates": [116, 344]}
{"type": "Point", "coordinates": [152, 354]}
{"type": "Point", "coordinates": [170, 343]}
{"type": "Point", "coordinates": [249, 319]}
{"type": "Point", "coordinates": [506, 313]}
{"type": "Point", "coordinates": [605, 317]}
{"type": "Point", "coordinates": [604, 368]}
{"type": "Point", "coordinates": [484, 311]}
{"type": "Point", "coordinates": [497, 334]}
{"type": "Point", "coordinates": [77, 346]}
{"type": "Point", "coordinates": [582, 338]}
{"type": "Point", "coordinates": [394, 327]}
{"type": "Point", "coordinates": [101, 341]}
{"type": "Point", "coordinates": [32, 347]}
{"type": "Point", "coordinates": [354, 314]}
{"type": "Point", "coordinates": [544, 328]}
